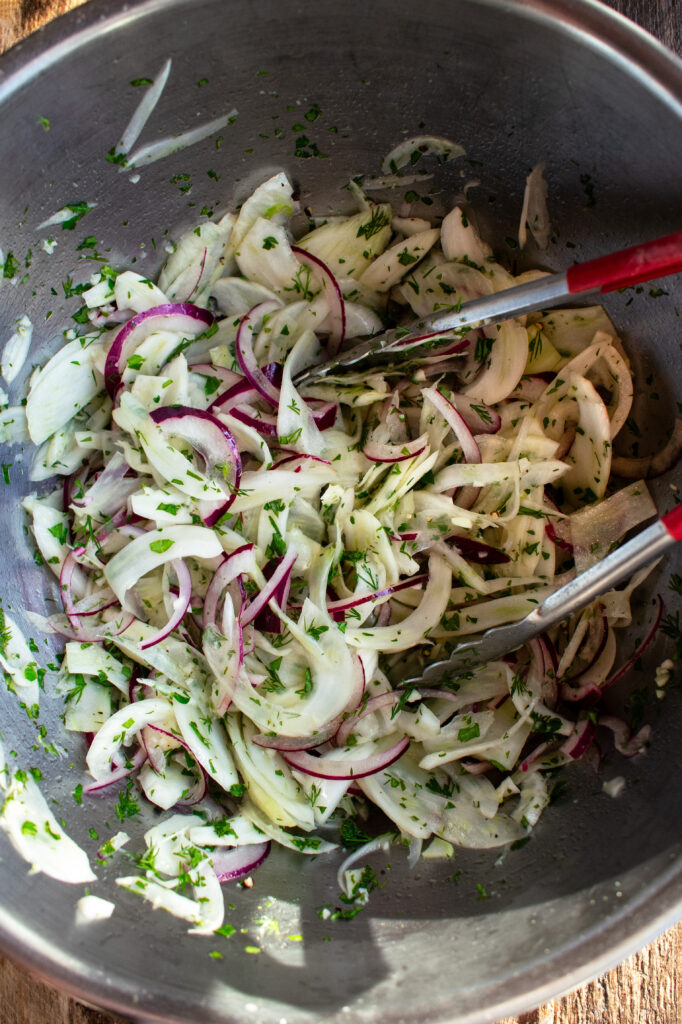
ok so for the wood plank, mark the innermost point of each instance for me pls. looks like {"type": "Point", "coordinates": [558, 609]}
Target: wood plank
{"type": "Point", "coordinates": [646, 988]}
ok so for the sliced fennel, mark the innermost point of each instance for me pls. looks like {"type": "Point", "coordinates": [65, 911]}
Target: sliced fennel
{"type": "Point", "coordinates": [256, 555]}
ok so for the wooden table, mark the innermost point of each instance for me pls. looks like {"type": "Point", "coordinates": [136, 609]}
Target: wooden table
{"type": "Point", "coordinates": [647, 988]}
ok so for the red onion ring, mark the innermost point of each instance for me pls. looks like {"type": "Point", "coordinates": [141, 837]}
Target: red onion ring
{"type": "Point", "coordinates": [336, 608]}
{"type": "Point", "coordinates": [388, 452]}
{"type": "Point", "coordinates": [268, 592]}
{"type": "Point", "coordinates": [336, 306]}
{"type": "Point", "coordinates": [171, 316]}
{"type": "Point", "coordinates": [181, 604]}
{"type": "Point", "coordinates": [232, 863]}
{"type": "Point", "coordinates": [211, 439]}
{"type": "Point", "coordinates": [245, 355]}
{"type": "Point", "coordinates": [382, 700]}
{"type": "Point", "coordinates": [477, 551]}
{"type": "Point", "coordinates": [623, 740]}
{"type": "Point", "coordinates": [119, 773]}
{"type": "Point", "coordinates": [455, 420]}
{"type": "Point", "coordinates": [229, 569]}
{"type": "Point", "coordinates": [578, 742]}
{"type": "Point", "coordinates": [326, 768]}
{"type": "Point", "coordinates": [640, 650]}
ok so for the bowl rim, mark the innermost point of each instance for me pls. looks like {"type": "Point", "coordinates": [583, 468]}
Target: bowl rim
{"type": "Point", "coordinates": [659, 70]}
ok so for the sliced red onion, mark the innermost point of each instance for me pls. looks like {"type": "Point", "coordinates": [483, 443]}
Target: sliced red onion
{"type": "Point", "coordinates": [324, 413]}
{"type": "Point", "coordinates": [211, 439]}
{"type": "Point", "coordinates": [232, 863]}
{"type": "Point", "coordinates": [533, 756]}
{"type": "Point", "coordinates": [384, 614]}
{"type": "Point", "coordinates": [202, 268]}
{"type": "Point", "coordinates": [261, 422]}
{"type": "Point", "coordinates": [410, 341]}
{"type": "Point", "coordinates": [560, 542]}
{"type": "Point", "coordinates": [118, 773]}
{"type": "Point", "coordinates": [232, 566]}
{"type": "Point", "coordinates": [578, 742]}
{"type": "Point", "coordinates": [243, 391]}
{"type": "Point", "coordinates": [623, 740]}
{"type": "Point", "coordinates": [180, 604]}
{"type": "Point", "coordinates": [156, 754]}
{"type": "Point", "coordinates": [226, 377]}
{"type": "Point", "coordinates": [172, 316]}
{"type": "Point", "coordinates": [299, 456]}
{"type": "Point", "coordinates": [268, 593]}
{"type": "Point", "coordinates": [326, 768]}
{"type": "Point", "coordinates": [245, 355]}
{"type": "Point", "coordinates": [382, 700]}
{"type": "Point", "coordinates": [477, 551]}
{"type": "Point", "coordinates": [336, 317]}
{"type": "Point", "coordinates": [299, 742]}
{"type": "Point", "coordinates": [266, 620]}
{"type": "Point", "coordinates": [454, 419]}
{"type": "Point", "coordinates": [456, 347]}
{"type": "Point", "coordinates": [640, 650]}
{"type": "Point", "coordinates": [199, 791]}
{"type": "Point", "coordinates": [387, 452]}
{"type": "Point", "coordinates": [336, 608]}
{"type": "Point", "coordinates": [590, 682]}
{"type": "Point", "coordinates": [65, 580]}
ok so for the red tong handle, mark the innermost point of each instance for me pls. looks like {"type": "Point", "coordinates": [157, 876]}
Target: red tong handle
{"type": "Point", "coordinates": [673, 522]}
{"type": "Point", "coordinates": [639, 263]}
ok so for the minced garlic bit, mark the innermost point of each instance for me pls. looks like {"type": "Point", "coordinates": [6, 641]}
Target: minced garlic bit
{"type": "Point", "coordinates": [662, 677]}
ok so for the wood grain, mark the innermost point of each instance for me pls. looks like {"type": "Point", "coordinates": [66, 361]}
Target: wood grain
{"type": "Point", "coordinates": [646, 988]}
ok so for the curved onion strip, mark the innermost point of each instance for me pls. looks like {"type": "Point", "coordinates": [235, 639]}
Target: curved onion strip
{"type": "Point", "coordinates": [211, 439]}
{"type": "Point", "coordinates": [387, 452]}
{"type": "Point", "coordinates": [336, 316]}
{"type": "Point", "coordinates": [340, 768]}
{"type": "Point", "coordinates": [641, 649]}
{"type": "Point", "coordinates": [245, 354]}
{"type": "Point", "coordinates": [477, 551]}
{"type": "Point", "coordinates": [299, 742]}
{"type": "Point", "coordinates": [268, 592]}
{"type": "Point", "coordinates": [119, 773]}
{"type": "Point", "coordinates": [261, 422]}
{"type": "Point", "coordinates": [227, 378]}
{"type": "Point", "coordinates": [183, 317]}
{"type": "Point", "coordinates": [242, 391]}
{"type": "Point", "coordinates": [234, 565]}
{"type": "Point", "coordinates": [180, 604]}
{"type": "Point", "coordinates": [382, 700]}
{"type": "Point", "coordinates": [335, 608]}
{"type": "Point", "coordinates": [624, 742]}
{"type": "Point", "coordinates": [120, 728]}
{"type": "Point", "coordinates": [578, 742]}
{"type": "Point", "coordinates": [231, 864]}
{"type": "Point", "coordinates": [455, 420]}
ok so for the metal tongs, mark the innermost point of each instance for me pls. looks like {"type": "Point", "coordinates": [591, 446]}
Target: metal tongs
{"type": "Point", "coordinates": [642, 549]}
{"type": "Point", "coordinates": [620, 269]}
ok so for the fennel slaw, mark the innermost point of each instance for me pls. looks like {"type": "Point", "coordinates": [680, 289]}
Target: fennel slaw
{"type": "Point", "coordinates": [241, 564]}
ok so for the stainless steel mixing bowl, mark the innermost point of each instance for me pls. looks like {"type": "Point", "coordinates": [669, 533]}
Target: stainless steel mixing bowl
{"type": "Point", "coordinates": [560, 81]}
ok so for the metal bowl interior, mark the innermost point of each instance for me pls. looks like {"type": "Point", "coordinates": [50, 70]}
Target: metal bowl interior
{"type": "Point", "coordinates": [567, 83]}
